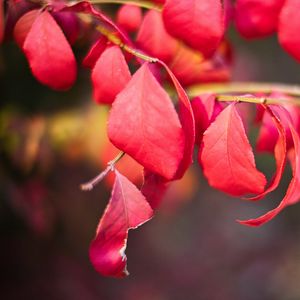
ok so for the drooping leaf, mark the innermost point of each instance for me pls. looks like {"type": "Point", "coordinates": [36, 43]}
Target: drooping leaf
{"type": "Point", "coordinates": [188, 124]}
{"type": "Point", "coordinates": [190, 67]}
{"type": "Point", "coordinates": [110, 75]}
{"type": "Point", "coordinates": [127, 209]}
{"type": "Point", "coordinates": [94, 53]}
{"type": "Point", "coordinates": [256, 18]}
{"type": "Point", "coordinates": [199, 23]}
{"type": "Point", "coordinates": [227, 158]}
{"type": "Point", "coordinates": [86, 7]}
{"type": "Point", "coordinates": [151, 34]}
{"type": "Point", "coordinates": [144, 124]}
{"type": "Point", "coordinates": [49, 54]}
{"type": "Point", "coordinates": [23, 26]}
{"type": "Point", "coordinates": [280, 151]}
{"type": "Point", "coordinates": [129, 17]}
{"type": "Point", "coordinates": [288, 28]}
{"type": "Point", "coordinates": [293, 192]}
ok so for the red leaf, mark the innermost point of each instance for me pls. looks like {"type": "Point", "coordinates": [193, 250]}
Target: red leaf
{"type": "Point", "coordinates": [94, 53]}
{"type": "Point", "coordinates": [205, 110]}
{"type": "Point", "coordinates": [69, 23]}
{"type": "Point", "coordinates": [127, 209]}
{"type": "Point", "coordinates": [23, 26]}
{"type": "Point", "coordinates": [188, 124]}
{"type": "Point", "coordinates": [227, 158]}
{"type": "Point", "coordinates": [288, 28]}
{"type": "Point", "coordinates": [151, 34]}
{"type": "Point", "coordinates": [279, 152]}
{"type": "Point", "coordinates": [144, 124]}
{"type": "Point", "coordinates": [293, 191]}
{"type": "Point", "coordinates": [129, 17]}
{"type": "Point", "coordinates": [111, 67]}
{"type": "Point", "coordinates": [199, 23]}
{"type": "Point", "coordinates": [190, 67]}
{"type": "Point", "coordinates": [154, 188]}
{"type": "Point", "coordinates": [268, 133]}
{"type": "Point", "coordinates": [49, 54]}
{"type": "Point", "coordinates": [86, 7]}
{"type": "Point", "coordinates": [256, 18]}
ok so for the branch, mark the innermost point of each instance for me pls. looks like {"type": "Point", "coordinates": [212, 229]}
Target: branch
{"type": "Point", "coordinates": [143, 4]}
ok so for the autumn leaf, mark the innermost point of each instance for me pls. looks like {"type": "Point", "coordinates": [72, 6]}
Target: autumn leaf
{"type": "Point", "coordinates": [288, 28]}
{"type": "Point", "coordinates": [256, 18]}
{"type": "Point", "coordinates": [144, 124]}
{"type": "Point", "coordinates": [111, 67]}
{"type": "Point", "coordinates": [199, 23]}
{"type": "Point", "coordinates": [151, 34]}
{"type": "Point", "coordinates": [227, 158]}
{"type": "Point", "coordinates": [127, 209]}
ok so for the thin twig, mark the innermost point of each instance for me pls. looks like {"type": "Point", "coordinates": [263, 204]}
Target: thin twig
{"type": "Point", "coordinates": [88, 186]}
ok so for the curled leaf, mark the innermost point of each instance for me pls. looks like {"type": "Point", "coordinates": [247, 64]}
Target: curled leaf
{"type": "Point", "coordinates": [151, 34]}
{"type": "Point", "coordinates": [127, 209]}
{"type": "Point", "coordinates": [279, 152]}
{"type": "Point", "coordinates": [288, 28]}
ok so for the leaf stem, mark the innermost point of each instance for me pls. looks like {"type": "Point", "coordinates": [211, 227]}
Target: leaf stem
{"type": "Point", "coordinates": [117, 41]}
{"type": "Point", "coordinates": [88, 186]}
{"type": "Point", "coordinates": [143, 4]}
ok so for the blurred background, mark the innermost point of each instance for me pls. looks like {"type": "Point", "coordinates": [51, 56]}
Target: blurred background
{"type": "Point", "coordinates": [52, 142]}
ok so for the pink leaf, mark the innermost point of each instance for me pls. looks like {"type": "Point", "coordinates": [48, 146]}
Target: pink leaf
{"type": "Point", "coordinates": [288, 28]}
{"type": "Point", "coordinates": [86, 7]}
{"type": "Point", "coordinates": [256, 18]}
{"type": "Point", "coordinates": [1, 20]}
{"type": "Point", "coordinates": [23, 26]}
{"type": "Point", "coordinates": [206, 109]}
{"type": "Point", "coordinates": [143, 123]}
{"type": "Point", "coordinates": [293, 191]}
{"type": "Point", "coordinates": [199, 23]}
{"type": "Point", "coordinates": [110, 75]}
{"type": "Point", "coordinates": [129, 17]}
{"type": "Point", "coordinates": [187, 122]}
{"type": "Point", "coordinates": [151, 34]}
{"type": "Point", "coordinates": [127, 209]}
{"type": "Point", "coordinates": [94, 53]}
{"type": "Point", "coordinates": [49, 54]}
{"type": "Point", "coordinates": [227, 158]}
{"type": "Point", "coordinates": [279, 152]}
